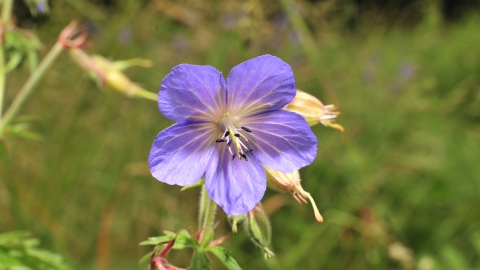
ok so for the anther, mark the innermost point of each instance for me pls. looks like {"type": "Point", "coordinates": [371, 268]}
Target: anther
{"type": "Point", "coordinates": [244, 156]}
{"type": "Point", "coordinates": [220, 140]}
{"type": "Point", "coordinates": [246, 129]}
{"type": "Point", "coordinates": [234, 155]}
{"type": "Point", "coordinates": [226, 133]}
{"type": "Point", "coordinates": [237, 135]}
{"type": "Point", "coordinates": [229, 143]}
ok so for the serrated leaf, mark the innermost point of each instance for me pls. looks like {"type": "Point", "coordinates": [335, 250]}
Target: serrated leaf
{"type": "Point", "coordinates": [200, 261]}
{"type": "Point", "coordinates": [224, 256]}
{"type": "Point", "coordinates": [14, 237]}
{"type": "Point", "coordinates": [155, 240]}
{"type": "Point", "coordinates": [184, 239]}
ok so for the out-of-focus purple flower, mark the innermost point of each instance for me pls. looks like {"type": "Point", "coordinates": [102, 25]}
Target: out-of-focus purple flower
{"type": "Point", "coordinates": [42, 6]}
{"type": "Point", "coordinates": [125, 35]}
{"type": "Point", "coordinates": [227, 130]}
{"type": "Point", "coordinates": [407, 71]}
{"type": "Point", "coordinates": [180, 43]}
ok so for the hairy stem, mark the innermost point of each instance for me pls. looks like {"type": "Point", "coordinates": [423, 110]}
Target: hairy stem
{"type": "Point", "coordinates": [30, 85]}
{"type": "Point", "coordinates": [207, 217]}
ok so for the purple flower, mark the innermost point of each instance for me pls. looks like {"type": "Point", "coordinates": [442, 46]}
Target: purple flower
{"type": "Point", "coordinates": [227, 131]}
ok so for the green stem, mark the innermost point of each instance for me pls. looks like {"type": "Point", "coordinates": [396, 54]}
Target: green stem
{"type": "Point", "coordinates": [309, 45]}
{"type": "Point", "coordinates": [29, 86]}
{"type": "Point", "coordinates": [2, 79]}
{"type": "Point", "coordinates": [6, 11]}
{"type": "Point", "coordinates": [207, 217]}
{"type": "Point", "coordinates": [140, 92]}
{"type": "Point", "coordinates": [6, 14]}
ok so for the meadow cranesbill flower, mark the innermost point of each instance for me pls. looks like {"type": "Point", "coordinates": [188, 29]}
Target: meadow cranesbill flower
{"type": "Point", "coordinates": [227, 130]}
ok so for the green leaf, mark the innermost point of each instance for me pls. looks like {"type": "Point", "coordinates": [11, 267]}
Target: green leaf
{"type": "Point", "coordinates": [224, 256]}
{"type": "Point", "coordinates": [152, 241]}
{"type": "Point", "coordinates": [13, 62]}
{"type": "Point", "coordinates": [453, 258]}
{"type": "Point", "coordinates": [200, 261]}
{"type": "Point", "coordinates": [13, 237]}
{"type": "Point", "coordinates": [184, 239]}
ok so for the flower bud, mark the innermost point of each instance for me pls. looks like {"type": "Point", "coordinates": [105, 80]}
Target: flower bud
{"type": "Point", "coordinates": [257, 225]}
{"type": "Point", "coordinates": [290, 182]}
{"type": "Point", "coordinates": [313, 110]}
{"type": "Point", "coordinates": [235, 221]}
{"type": "Point", "coordinates": [109, 74]}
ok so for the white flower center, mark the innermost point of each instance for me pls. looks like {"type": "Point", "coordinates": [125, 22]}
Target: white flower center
{"type": "Point", "coordinates": [233, 135]}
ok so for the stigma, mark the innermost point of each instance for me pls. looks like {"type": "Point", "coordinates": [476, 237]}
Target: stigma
{"type": "Point", "coordinates": [236, 142]}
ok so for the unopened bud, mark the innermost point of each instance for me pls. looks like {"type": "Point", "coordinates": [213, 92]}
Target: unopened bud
{"type": "Point", "coordinates": [290, 182]}
{"type": "Point", "coordinates": [313, 110]}
{"type": "Point", "coordinates": [236, 221]}
{"type": "Point", "coordinates": [109, 74]}
{"type": "Point", "coordinates": [257, 225]}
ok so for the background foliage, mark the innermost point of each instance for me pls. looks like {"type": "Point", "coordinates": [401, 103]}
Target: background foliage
{"type": "Point", "coordinates": [399, 189]}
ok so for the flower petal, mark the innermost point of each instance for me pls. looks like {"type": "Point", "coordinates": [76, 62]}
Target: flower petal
{"type": "Point", "coordinates": [191, 92]}
{"type": "Point", "coordinates": [260, 84]}
{"type": "Point", "coordinates": [282, 140]}
{"type": "Point", "coordinates": [236, 185]}
{"type": "Point", "coordinates": [180, 153]}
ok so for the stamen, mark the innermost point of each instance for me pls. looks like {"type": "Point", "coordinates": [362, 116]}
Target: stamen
{"type": "Point", "coordinates": [229, 143]}
{"type": "Point", "coordinates": [246, 129]}
{"type": "Point", "coordinates": [241, 135]}
{"type": "Point", "coordinates": [237, 135]}
{"type": "Point", "coordinates": [243, 145]}
{"type": "Point", "coordinates": [243, 155]}
{"type": "Point", "coordinates": [226, 133]}
{"type": "Point", "coordinates": [234, 155]}
{"type": "Point", "coordinates": [220, 140]}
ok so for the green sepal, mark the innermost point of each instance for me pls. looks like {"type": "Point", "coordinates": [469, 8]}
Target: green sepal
{"type": "Point", "coordinates": [184, 239]}
{"type": "Point", "coordinates": [224, 256]}
{"type": "Point", "coordinates": [197, 184]}
{"type": "Point", "coordinates": [200, 261]}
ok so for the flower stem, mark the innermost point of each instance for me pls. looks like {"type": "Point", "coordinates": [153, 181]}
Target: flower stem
{"type": "Point", "coordinates": [309, 44]}
{"type": "Point", "coordinates": [6, 11]}
{"type": "Point", "coordinates": [2, 79]}
{"type": "Point", "coordinates": [206, 218]}
{"type": "Point", "coordinates": [6, 14]}
{"type": "Point", "coordinates": [29, 85]}
{"type": "Point", "coordinates": [140, 92]}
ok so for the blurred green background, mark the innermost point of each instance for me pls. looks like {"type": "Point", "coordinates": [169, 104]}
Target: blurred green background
{"type": "Point", "coordinates": [399, 189]}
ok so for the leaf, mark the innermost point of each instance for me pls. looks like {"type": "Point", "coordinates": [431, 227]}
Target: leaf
{"type": "Point", "coordinates": [152, 241]}
{"type": "Point", "coordinates": [200, 261]}
{"type": "Point", "coordinates": [224, 256]}
{"type": "Point", "coordinates": [453, 258]}
{"type": "Point", "coordinates": [13, 62]}
{"type": "Point", "coordinates": [13, 237]}
{"type": "Point", "coordinates": [184, 239]}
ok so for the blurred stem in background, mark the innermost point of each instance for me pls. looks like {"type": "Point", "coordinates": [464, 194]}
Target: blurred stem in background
{"type": "Point", "coordinates": [309, 46]}
{"type": "Point", "coordinates": [71, 37]}
{"type": "Point", "coordinates": [29, 85]}
{"type": "Point", "coordinates": [6, 14]}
